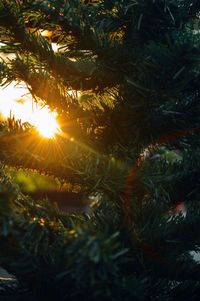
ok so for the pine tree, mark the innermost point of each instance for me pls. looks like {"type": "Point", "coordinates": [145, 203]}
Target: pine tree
{"type": "Point", "coordinates": [130, 142]}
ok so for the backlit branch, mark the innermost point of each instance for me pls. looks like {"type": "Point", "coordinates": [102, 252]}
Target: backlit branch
{"type": "Point", "coordinates": [68, 160]}
{"type": "Point", "coordinates": [83, 75]}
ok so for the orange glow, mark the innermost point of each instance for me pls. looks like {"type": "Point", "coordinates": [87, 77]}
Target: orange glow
{"type": "Point", "coordinates": [46, 33]}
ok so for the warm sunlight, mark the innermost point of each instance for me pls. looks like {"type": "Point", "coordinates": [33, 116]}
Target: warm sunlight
{"type": "Point", "coordinates": [14, 101]}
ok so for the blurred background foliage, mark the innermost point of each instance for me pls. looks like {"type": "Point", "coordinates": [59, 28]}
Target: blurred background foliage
{"type": "Point", "coordinates": [31, 181]}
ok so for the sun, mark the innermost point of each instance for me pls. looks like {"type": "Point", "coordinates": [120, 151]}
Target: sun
{"type": "Point", "coordinates": [13, 102]}
{"type": "Point", "coordinates": [46, 123]}
{"type": "Point", "coordinates": [48, 127]}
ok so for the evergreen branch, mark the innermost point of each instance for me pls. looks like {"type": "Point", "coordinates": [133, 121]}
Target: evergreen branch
{"type": "Point", "coordinates": [39, 82]}
{"type": "Point", "coordinates": [64, 159]}
{"type": "Point", "coordinates": [74, 74]}
{"type": "Point", "coordinates": [75, 17]}
{"type": "Point", "coordinates": [43, 239]}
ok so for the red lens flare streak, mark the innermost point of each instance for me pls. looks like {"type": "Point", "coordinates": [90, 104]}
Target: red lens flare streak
{"type": "Point", "coordinates": [130, 180]}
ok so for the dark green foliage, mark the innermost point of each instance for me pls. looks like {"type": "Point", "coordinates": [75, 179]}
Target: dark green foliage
{"type": "Point", "coordinates": [130, 140]}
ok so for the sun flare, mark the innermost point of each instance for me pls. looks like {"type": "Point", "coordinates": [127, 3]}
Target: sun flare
{"type": "Point", "coordinates": [15, 102]}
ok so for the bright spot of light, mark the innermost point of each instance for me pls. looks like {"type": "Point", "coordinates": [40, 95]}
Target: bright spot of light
{"type": "Point", "coordinates": [45, 122]}
{"type": "Point", "coordinates": [46, 33]}
{"type": "Point", "coordinates": [14, 102]}
{"type": "Point", "coordinates": [55, 47]}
